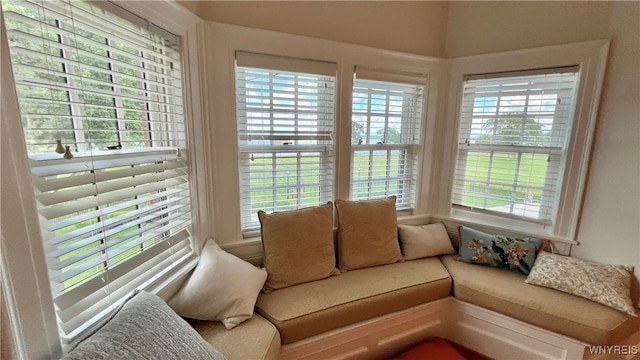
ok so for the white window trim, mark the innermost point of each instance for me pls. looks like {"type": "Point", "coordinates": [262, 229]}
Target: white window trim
{"type": "Point", "coordinates": [25, 282]}
{"type": "Point", "coordinates": [223, 42]}
{"type": "Point", "coordinates": [319, 153]}
{"type": "Point", "coordinates": [412, 142]}
{"type": "Point", "coordinates": [591, 57]}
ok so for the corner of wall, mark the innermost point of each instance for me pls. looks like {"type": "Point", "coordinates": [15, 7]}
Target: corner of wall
{"type": "Point", "coordinates": [7, 342]}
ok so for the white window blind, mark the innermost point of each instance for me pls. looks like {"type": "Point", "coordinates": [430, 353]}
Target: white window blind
{"type": "Point", "coordinates": [513, 133]}
{"type": "Point", "coordinates": [285, 110]}
{"type": "Point", "coordinates": [116, 216]}
{"type": "Point", "coordinates": [386, 123]}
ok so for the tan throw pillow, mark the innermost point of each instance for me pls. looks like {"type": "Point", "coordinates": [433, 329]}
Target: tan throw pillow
{"type": "Point", "coordinates": [298, 246]}
{"type": "Point", "coordinates": [605, 284]}
{"type": "Point", "coordinates": [367, 233]}
{"type": "Point", "coordinates": [424, 241]}
{"type": "Point", "coordinates": [222, 287]}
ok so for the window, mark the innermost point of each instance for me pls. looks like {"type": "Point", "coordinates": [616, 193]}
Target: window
{"type": "Point", "coordinates": [285, 111]}
{"type": "Point", "coordinates": [100, 98]}
{"type": "Point", "coordinates": [512, 141]}
{"type": "Point", "coordinates": [517, 139]}
{"type": "Point", "coordinates": [387, 112]}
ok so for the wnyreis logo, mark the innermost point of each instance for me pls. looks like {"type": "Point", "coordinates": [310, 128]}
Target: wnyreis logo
{"type": "Point", "coordinates": [614, 350]}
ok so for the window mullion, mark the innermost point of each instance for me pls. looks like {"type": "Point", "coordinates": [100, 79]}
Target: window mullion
{"type": "Point", "coordinates": [514, 190]}
{"type": "Point", "coordinates": [117, 100]}
{"type": "Point", "coordinates": [274, 179]}
{"type": "Point", "coordinates": [298, 179]}
{"type": "Point", "coordinates": [72, 94]}
{"type": "Point", "coordinates": [487, 188]}
{"type": "Point", "coordinates": [388, 172]}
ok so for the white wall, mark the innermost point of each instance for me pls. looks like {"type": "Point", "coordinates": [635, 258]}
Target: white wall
{"type": "Point", "coordinates": [416, 27]}
{"type": "Point", "coordinates": [479, 27]}
{"type": "Point", "coordinates": [609, 231]}
{"type": "Point", "coordinates": [610, 228]}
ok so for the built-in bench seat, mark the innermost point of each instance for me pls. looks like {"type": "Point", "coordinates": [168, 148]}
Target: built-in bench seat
{"type": "Point", "coordinates": [309, 309]}
{"type": "Point", "coordinates": [420, 297]}
{"type": "Point", "coordinates": [507, 293]}
{"type": "Point", "coordinates": [380, 305]}
{"type": "Point", "coordinates": [255, 338]}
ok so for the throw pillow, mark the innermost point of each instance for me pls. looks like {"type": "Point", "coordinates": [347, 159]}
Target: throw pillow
{"type": "Point", "coordinates": [424, 241]}
{"type": "Point", "coordinates": [145, 328]}
{"type": "Point", "coordinates": [367, 233]}
{"type": "Point", "coordinates": [517, 254]}
{"type": "Point", "coordinates": [298, 246]}
{"type": "Point", "coordinates": [222, 287]}
{"type": "Point", "coordinates": [606, 284]}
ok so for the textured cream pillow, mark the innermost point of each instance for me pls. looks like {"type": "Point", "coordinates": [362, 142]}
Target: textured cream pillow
{"type": "Point", "coordinates": [298, 246]}
{"type": "Point", "coordinates": [424, 241]}
{"type": "Point", "coordinates": [222, 287]}
{"type": "Point", "coordinates": [367, 233]}
{"type": "Point", "coordinates": [606, 284]}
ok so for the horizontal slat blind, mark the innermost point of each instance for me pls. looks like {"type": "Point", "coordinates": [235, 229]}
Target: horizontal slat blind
{"type": "Point", "coordinates": [513, 132]}
{"type": "Point", "coordinates": [116, 216]}
{"type": "Point", "coordinates": [285, 135]}
{"type": "Point", "coordinates": [92, 83]}
{"type": "Point", "coordinates": [386, 125]}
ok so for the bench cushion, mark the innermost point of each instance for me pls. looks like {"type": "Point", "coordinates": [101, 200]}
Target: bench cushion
{"type": "Point", "coordinates": [255, 338]}
{"type": "Point", "coordinates": [312, 308]}
{"type": "Point", "coordinates": [506, 292]}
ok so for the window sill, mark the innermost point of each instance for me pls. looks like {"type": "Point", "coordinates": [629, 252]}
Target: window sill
{"type": "Point", "coordinates": [498, 224]}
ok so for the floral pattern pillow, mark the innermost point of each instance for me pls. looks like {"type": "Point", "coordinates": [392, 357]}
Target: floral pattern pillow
{"type": "Point", "coordinates": [605, 284]}
{"type": "Point", "coordinates": [516, 254]}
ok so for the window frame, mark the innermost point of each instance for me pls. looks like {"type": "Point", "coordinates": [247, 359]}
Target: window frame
{"type": "Point", "coordinates": [553, 152]}
{"type": "Point", "coordinates": [409, 147]}
{"type": "Point", "coordinates": [25, 280]}
{"type": "Point", "coordinates": [225, 41]}
{"type": "Point", "coordinates": [291, 148]}
{"type": "Point", "coordinates": [591, 58]}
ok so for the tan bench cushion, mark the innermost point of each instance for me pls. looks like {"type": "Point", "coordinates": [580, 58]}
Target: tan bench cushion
{"type": "Point", "coordinates": [507, 293]}
{"type": "Point", "coordinates": [312, 308]}
{"type": "Point", "coordinates": [254, 339]}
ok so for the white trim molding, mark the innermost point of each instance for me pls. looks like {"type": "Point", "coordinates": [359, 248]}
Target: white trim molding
{"type": "Point", "coordinates": [591, 58]}
{"type": "Point", "coordinates": [223, 41]}
{"type": "Point", "coordinates": [25, 282]}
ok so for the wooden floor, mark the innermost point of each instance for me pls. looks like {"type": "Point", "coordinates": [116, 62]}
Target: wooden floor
{"type": "Point", "coordinates": [469, 354]}
{"type": "Point", "coordinates": [439, 349]}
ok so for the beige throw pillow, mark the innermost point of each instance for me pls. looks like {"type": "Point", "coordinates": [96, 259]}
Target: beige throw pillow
{"type": "Point", "coordinates": [222, 287]}
{"type": "Point", "coordinates": [298, 246]}
{"type": "Point", "coordinates": [367, 233]}
{"type": "Point", "coordinates": [605, 284]}
{"type": "Point", "coordinates": [424, 241]}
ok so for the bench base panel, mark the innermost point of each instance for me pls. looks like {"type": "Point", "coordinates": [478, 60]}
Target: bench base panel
{"type": "Point", "coordinates": [501, 337]}
{"type": "Point", "coordinates": [378, 338]}
{"type": "Point", "coordinates": [476, 328]}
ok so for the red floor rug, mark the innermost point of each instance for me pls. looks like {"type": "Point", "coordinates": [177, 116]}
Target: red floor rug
{"type": "Point", "coordinates": [435, 349]}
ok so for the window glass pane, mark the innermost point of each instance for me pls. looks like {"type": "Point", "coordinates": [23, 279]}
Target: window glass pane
{"type": "Point", "coordinates": [385, 135]}
{"type": "Point", "coordinates": [512, 136]}
{"type": "Point", "coordinates": [285, 137]}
